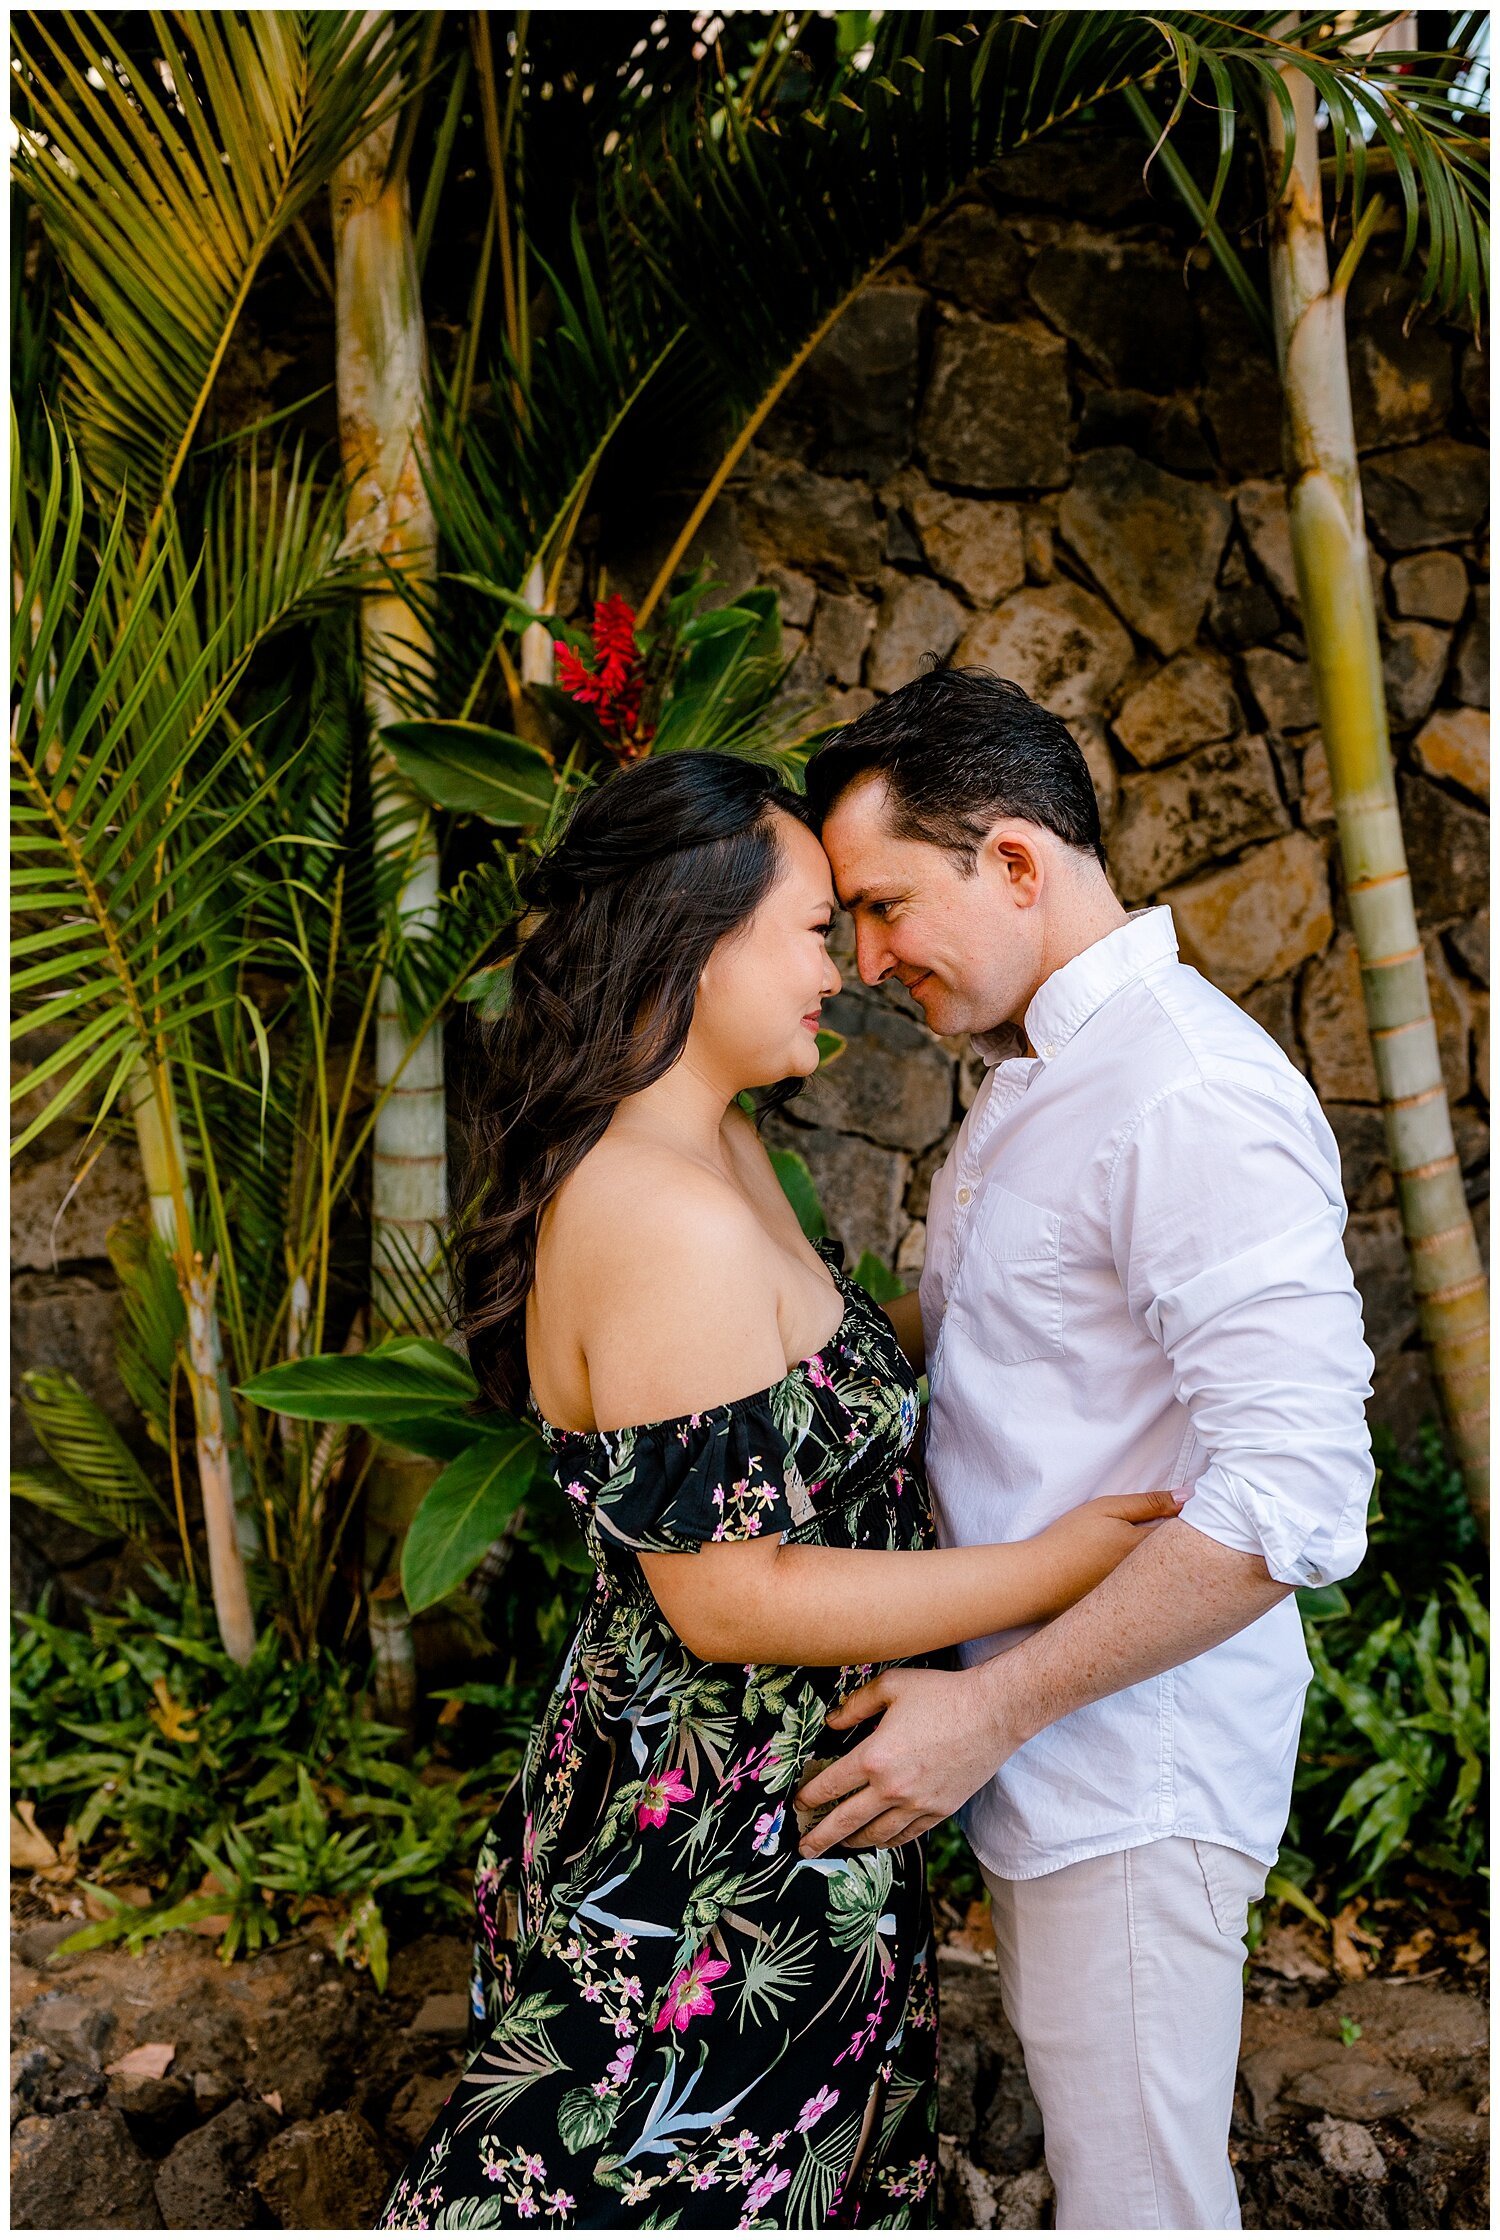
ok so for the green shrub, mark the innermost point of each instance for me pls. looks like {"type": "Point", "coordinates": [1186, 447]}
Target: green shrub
{"type": "Point", "coordinates": [166, 1759]}
{"type": "Point", "coordinates": [1396, 1730]}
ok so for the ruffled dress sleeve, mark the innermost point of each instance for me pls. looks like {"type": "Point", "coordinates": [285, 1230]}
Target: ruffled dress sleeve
{"type": "Point", "coordinates": [722, 1475]}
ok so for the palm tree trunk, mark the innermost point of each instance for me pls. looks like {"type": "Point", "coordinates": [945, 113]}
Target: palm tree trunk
{"type": "Point", "coordinates": [224, 1480]}
{"type": "Point", "coordinates": [382, 397]}
{"type": "Point", "coordinates": [1338, 616]}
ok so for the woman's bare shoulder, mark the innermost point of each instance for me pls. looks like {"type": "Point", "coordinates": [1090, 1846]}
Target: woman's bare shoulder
{"type": "Point", "coordinates": [668, 1278]}
{"type": "Point", "coordinates": [631, 1187]}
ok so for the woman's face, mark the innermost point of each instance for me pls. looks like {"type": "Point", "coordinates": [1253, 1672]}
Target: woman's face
{"type": "Point", "coordinates": [763, 987]}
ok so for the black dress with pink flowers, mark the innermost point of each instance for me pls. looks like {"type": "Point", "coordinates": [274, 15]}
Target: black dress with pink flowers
{"type": "Point", "coordinates": [677, 2019]}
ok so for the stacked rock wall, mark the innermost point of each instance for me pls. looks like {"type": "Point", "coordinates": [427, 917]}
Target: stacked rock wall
{"type": "Point", "coordinates": [1048, 444]}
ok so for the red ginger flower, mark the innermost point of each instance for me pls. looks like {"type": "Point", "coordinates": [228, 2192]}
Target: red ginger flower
{"type": "Point", "coordinates": [613, 687]}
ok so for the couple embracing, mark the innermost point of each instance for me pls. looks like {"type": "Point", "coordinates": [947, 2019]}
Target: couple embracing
{"type": "Point", "coordinates": [705, 1988]}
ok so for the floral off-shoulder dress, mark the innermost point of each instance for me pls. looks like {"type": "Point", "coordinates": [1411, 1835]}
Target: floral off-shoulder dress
{"type": "Point", "coordinates": [677, 2019]}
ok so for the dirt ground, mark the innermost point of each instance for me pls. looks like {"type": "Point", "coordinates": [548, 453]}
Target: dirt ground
{"type": "Point", "coordinates": [284, 2091]}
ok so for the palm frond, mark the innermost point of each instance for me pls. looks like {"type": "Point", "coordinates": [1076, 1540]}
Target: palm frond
{"type": "Point", "coordinates": [61, 1497]}
{"type": "Point", "coordinates": [710, 204]}
{"type": "Point", "coordinates": [130, 893]}
{"type": "Point", "coordinates": [85, 1447]}
{"type": "Point", "coordinates": [480, 905]}
{"type": "Point", "coordinates": [165, 185]}
{"type": "Point", "coordinates": [152, 1325]}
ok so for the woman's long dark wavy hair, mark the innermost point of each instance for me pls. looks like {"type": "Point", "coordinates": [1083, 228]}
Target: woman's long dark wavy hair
{"type": "Point", "coordinates": [654, 868]}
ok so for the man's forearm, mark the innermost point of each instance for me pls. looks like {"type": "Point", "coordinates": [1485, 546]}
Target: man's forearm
{"type": "Point", "coordinates": [905, 1316]}
{"type": "Point", "coordinates": [1177, 1595]}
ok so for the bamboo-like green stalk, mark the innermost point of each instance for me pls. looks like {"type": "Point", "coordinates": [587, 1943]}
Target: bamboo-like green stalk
{"type": "Point", "coordinates": [223, 1472]}
{"type": "Point", "coordinates": [382, 393]}
{"type": "Point", "coordinates": [225, 1484]}
{"type": "Point", "coordinates": [1338, 619]}
{"type": "Point", "coordinates": [382, 388]}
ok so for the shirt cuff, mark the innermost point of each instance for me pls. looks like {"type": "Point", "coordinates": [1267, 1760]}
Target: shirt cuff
{"type": "Point", "coordinates": [1299, 1549]}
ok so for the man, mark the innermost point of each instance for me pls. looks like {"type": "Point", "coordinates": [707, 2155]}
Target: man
{"type": "Point", "coordinates": [1135, 1278]}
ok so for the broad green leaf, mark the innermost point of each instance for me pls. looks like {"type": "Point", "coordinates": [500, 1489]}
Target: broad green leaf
{"type": "Point", "coordinates": [882, 1283]}
{"type": "Point", "coordinates": [388, 1384]}
{"type": "Point", "coordinates": [795, 1177]}
{"type": "Point", "coordinates": [1323, 1602]}
{"type": "Point", "coordinates": [464, 1511]}
{"type": "Point", "coordinates": [474, 770]}
{"type": "Point", "coordinates": [439, 1432]}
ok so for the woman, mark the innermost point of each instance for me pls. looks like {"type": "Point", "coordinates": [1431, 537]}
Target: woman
{"type": "Point", "coordinates": [678, 2019]}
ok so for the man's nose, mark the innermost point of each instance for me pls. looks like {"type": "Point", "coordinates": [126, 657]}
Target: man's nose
{"type": "Point", "coordinates": [872, 955]}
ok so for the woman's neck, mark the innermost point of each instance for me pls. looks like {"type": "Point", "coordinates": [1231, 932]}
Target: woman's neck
{"type": "Point", "coordinates": [685, 1109]}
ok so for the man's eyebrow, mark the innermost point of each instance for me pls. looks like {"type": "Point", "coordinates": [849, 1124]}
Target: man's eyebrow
{"type": "Point", "coordinates": [864, 895]}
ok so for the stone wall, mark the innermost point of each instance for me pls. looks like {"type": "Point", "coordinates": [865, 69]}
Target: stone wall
{"type": "Point", "coordinates": [1048, 444]}
{"type": "Point", "coordinates": [1034, 447]}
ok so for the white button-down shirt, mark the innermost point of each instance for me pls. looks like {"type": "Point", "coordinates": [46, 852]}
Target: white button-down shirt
{"type": "Point", "coordinates": [1136, 1278]}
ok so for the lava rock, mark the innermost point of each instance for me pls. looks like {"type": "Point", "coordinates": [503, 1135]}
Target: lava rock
{"type": "Point", "coordinates": [1059, 643]}
{"type": "Point", "coordinates": [1348, 2149]}
{"type": "Point", "coordinates": [861, 382]}
{"type": "Point", "coordinates": [1283, 689]}
{"type": "Point", "coordinates": [1352, 2086]}
{"type": "Point", "coordinates": [1174, 820]}
{"type": "Point", "coordinates": [86, 2165]}
{"type": "Point", "coordinates": [916, 618]}
{"type": "Point", "coordinates": [995, 416]}
{"type": "Point", "coordinates": [1431, 585]}
{"type": "Point", "coordinates": [1400, 378]}
{"type": "Point", "coordinates": [1471, 676]}
{"type": "Point", "coordinates": [840, 636]}
{"type": "Point", "coordinates": [1256, 919]}
{"type": "Point", "coordinates": [328, 2174]}
{"type": "Point", "coordinates": [1428, 493]}
{"type": "Point", "coordinates": [1455, 744]}
{"type": "Point", "coordinates": [73, 2027]}
{"type": "Point", "coordinates": [1125, 306]}
{"type": "Point", "coordinates": [1413, 660]}
{"type": "Point", "coordinates": [862, 1186]}
{"type": "Point", "coordinates": [206, 2180]}
{"type": "Point", "coordinates": [1447, 848]}
{"type": "Point", "coordinates": [1152, 540]}
{"type": "Point", "coordinates": [813, 520]}
{"type": "Point", "coordinates": [974, 258]}
{"type": "Point", "coordinates": [1187, 704]}
{"type": "Point", "coordinates": [442, 2014]}
{"type": "Point", "coordinates": [975, 543]}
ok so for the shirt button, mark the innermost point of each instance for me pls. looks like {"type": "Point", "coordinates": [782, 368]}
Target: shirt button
{"type": "Point", "coordinates": [965, 1195]}
{"type": "Point", "coordinates": [1048, 1049]}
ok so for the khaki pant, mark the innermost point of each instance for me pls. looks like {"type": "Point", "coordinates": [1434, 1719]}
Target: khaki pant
{"type": "Point", "coordinates": [1122, 1978]}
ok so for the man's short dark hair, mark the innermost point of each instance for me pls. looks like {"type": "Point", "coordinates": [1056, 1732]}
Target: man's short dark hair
{"type": "Point", "coordinates": [959, 749]}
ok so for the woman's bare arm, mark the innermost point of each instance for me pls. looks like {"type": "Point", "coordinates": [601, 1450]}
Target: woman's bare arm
{"type": "Point", "coordinates": [774, 1602]}
{"type": "Point", "coordinates": [677, 1313]}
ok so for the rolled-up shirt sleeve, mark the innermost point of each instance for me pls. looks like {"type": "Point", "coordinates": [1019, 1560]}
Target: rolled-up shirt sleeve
{"type": "Point", "coordinates": [1226, 1218]}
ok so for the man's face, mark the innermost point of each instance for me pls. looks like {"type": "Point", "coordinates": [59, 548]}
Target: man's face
{"type": "Point", "coordinates": [969, 948]}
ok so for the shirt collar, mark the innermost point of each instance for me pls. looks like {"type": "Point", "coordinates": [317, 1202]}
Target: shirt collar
{"type": "Point", "coordinates": [1075, 991]}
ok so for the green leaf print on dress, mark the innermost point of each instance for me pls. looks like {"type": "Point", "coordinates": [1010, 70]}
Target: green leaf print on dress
{"type": "Point", "coordinates": [676, 2019]}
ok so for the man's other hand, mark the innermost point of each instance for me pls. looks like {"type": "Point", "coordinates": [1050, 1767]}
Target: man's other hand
{"type": "Point", "coordinates": [937, 1742]}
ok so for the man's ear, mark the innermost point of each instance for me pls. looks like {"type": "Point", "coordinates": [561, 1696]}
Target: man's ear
{"type": "Point", "coordinates": [1018, 857]}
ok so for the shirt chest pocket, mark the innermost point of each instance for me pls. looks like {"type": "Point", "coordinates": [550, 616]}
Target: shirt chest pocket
{"type": "Point", "coordinates": [1011, 1279]}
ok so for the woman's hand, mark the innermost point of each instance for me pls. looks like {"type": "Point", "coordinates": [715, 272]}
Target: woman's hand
{"type": "Point", "coordinates": [1084, 1546]}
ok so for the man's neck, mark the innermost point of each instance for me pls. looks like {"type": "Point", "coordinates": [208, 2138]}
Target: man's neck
{"type": "Point", "coordinates": [1081, 920]}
